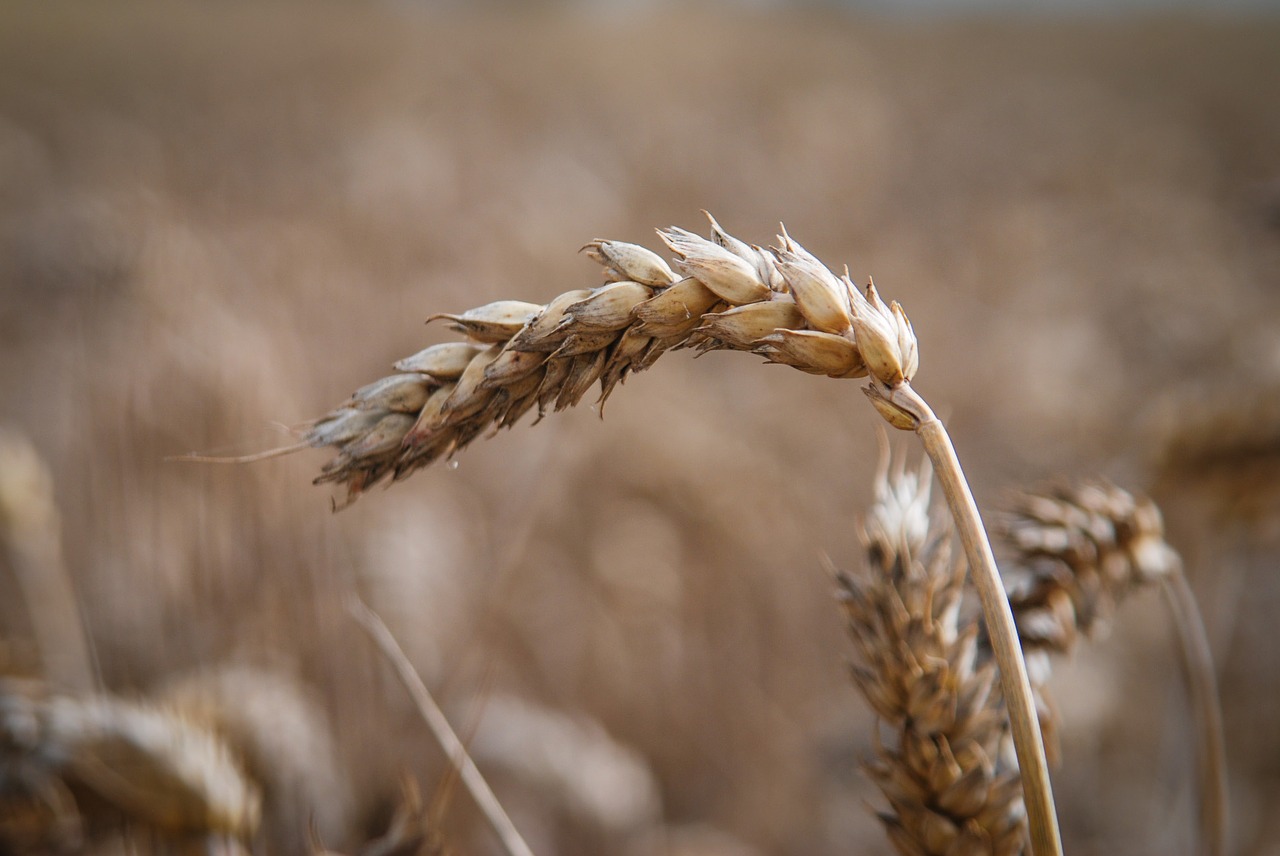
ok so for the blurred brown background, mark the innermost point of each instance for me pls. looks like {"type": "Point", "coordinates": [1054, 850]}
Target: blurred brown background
{"type": "Point", "coordinates": [217, 217]}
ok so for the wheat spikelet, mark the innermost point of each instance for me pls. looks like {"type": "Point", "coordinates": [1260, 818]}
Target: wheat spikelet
{"type": "Point", "coordinates": [918, 664]}
{"type": "Point", "coordinates": [1077, 550]}
{"type": "Point", "coordinates": [1080, 550]}
{"type": "Point", "coordinates": [782, 304]}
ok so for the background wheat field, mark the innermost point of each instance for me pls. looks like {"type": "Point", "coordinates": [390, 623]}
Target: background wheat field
{"type": "Point", "coordinates": [216, 218]}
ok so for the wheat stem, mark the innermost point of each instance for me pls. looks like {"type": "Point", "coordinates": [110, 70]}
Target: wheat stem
{"type": "Point", "coordinates": [1024, 723]}
{"type": "Point", "coordinates": [31, 541]}
{"type": "Point", "coordinates": [1210, 748]}
{"type": "Point", "coordinates": [444, 734]}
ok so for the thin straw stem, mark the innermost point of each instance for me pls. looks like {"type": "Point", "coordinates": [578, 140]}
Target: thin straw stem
{"type": "Point", "coordinates": [435, 719]}
{"type": "Point", "coordinates": [31, 539]}
{"type": "Point", "coordinates": [1037, 791]}
{"type": "Point", "coordinates": [1202, 684]}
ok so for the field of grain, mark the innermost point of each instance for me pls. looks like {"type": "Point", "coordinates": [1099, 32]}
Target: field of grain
{"type": "Point", "coordinates": [217, 219]}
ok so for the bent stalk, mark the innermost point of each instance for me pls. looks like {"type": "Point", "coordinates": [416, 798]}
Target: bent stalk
{"type": "Point", "coordinates": [903, 407]}
{"type": "Point", "coordinates": [1211, 752]}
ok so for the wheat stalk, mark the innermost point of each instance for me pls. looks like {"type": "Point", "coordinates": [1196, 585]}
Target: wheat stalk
{"type": "Point", "coordinates": [918, 664]}
{"type": "Point", "coordinates": [1078, 551]}
{"type": "Point", "coordinates": [468, 773]}
{"type": "Point", "coordinates": [31, 547]}
{"type": "Point", "coordinates": [781, 303]}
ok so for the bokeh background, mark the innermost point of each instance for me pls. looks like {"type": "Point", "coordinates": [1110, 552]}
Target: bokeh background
{"type": "Point", "coordinates": [216, 219]}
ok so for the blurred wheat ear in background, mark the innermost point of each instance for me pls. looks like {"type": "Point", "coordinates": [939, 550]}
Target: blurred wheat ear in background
{"type": "Point", "coordinates": [1078, 551]}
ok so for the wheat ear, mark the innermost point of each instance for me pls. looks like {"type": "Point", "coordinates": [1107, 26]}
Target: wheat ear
{"type": "Point", "coordinates": [153, 763]}
{"type": "Point", "coordinates": [1078, 551]}
{"type": "Point", "coordinates": [444, 734]}
{"type": "Point", "coordinates": [918, 664]}
{"type": "Point", "coordinates": [781, 303]}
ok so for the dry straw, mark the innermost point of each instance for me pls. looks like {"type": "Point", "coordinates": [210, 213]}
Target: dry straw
{"type": "Point", "coordinates": [31, 549]}
{"type": "Point", "coordinates": [781, 303]}
{"type": "Point", "coordinates": [468, 773]}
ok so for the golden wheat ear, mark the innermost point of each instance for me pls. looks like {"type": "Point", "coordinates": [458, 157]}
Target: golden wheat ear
{"type": "Point", "coordinates": [718, 293]}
